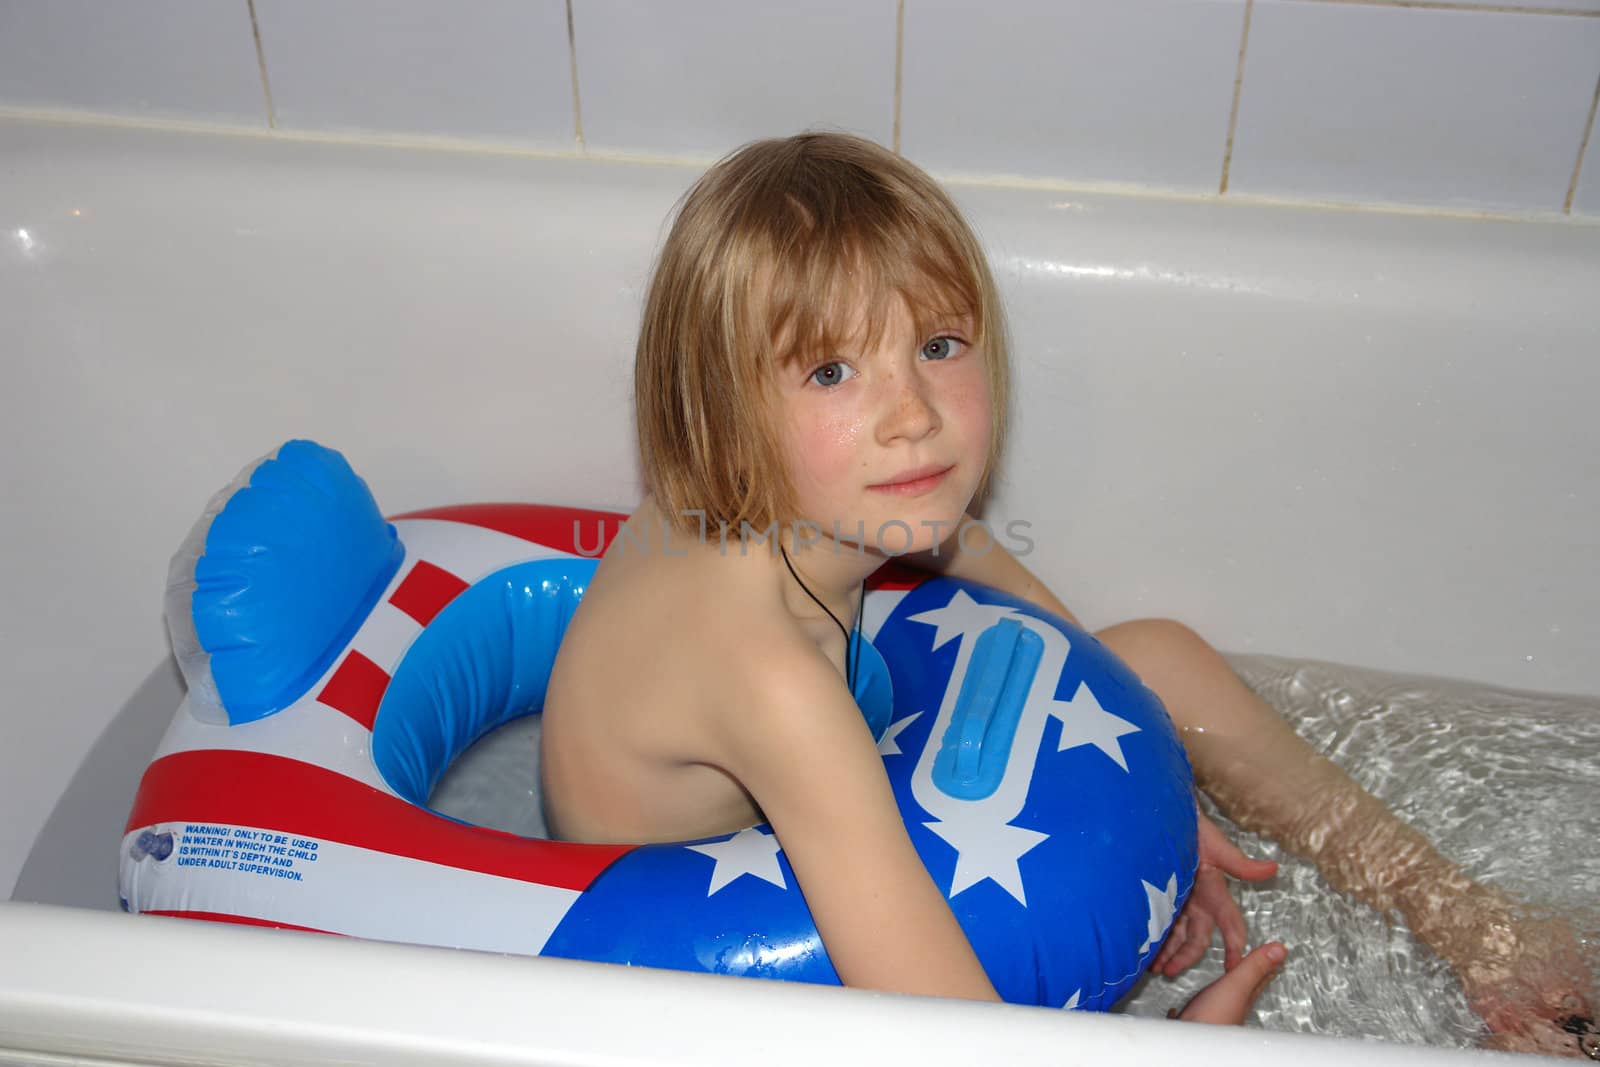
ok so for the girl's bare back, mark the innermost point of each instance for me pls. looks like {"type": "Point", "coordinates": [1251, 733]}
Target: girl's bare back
{"type": "Point", "coordinates": [641, 683]}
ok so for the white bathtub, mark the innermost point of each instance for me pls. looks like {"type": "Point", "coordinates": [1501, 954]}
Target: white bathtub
{"type": "Point", "coordinates": [1359, 436]}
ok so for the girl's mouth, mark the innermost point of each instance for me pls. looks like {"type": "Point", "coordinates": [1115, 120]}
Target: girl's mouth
{"type": "Point", "coordinates": [915, 482]}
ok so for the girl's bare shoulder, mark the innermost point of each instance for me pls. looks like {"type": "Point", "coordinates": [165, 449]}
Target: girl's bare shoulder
{"type": "Point", "coordinates": [682, 628]}
{"type": "Point", "coordinates": [717, 622]}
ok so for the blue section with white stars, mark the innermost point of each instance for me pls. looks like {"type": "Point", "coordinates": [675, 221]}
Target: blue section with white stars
{"type": "Point", "coordinates": [1065, 876]}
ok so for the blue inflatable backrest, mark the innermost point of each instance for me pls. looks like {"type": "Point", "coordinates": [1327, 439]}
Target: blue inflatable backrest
{"type": "Point", "coordinates": [291, 566]}
{"type": "Point", "coordinates": [482, 662]}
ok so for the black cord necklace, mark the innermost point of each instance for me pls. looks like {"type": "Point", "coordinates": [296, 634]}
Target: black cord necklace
{"type": "Point", "coordinates": [852, 645]}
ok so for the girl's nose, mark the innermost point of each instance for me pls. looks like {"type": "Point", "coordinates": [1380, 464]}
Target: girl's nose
{"type": "Point", "coordinates": [909, 410]}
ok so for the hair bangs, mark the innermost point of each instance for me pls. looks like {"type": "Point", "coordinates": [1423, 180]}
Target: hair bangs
{"type": "Point", "coordinates": [826, 298]}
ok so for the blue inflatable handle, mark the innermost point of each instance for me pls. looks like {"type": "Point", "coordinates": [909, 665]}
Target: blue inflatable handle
{"type": "Point", "coordinates": [977, 744]}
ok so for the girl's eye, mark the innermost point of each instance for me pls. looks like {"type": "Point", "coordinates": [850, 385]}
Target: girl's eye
{"type": "Point", "coordinates": [942, 347]}
{"type": "Point", "coordinates": [830, 374]}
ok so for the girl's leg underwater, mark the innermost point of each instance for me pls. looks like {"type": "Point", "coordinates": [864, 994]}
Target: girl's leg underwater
{"type": "Point", "coordinates": [1524, 977]}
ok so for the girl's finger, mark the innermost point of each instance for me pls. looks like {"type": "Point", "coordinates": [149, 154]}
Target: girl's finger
{"type": "Point", "coordinates": [1220, 911]}
{"type": "Point", "coordinates": [1259, 966]}
{"type": "Point", "coordinates": [1253, 870]}
{"type": "Point", "coordinates": [1197, 939]}
{"type": "Point", "coordinates": [1229, 998]}
{"type": "Point", "coordinates": [1234, 935]}
{"type": "Point", "coordinates": [1266, 979]}
{"type": "Point", "coordinates": [1190, 956]}
{"type": "Point", "coordinates": [1268, 958]}
{"type": "Point", "coordinates": [1235, 862]}
{"type": "Point", "coordinates": [1175, 940]}
{"type": "Point", "coordinates": [1225, 854]}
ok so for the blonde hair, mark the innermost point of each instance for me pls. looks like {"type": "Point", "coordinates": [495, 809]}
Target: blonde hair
{"type": "Point", "coordinates": [770, 252]}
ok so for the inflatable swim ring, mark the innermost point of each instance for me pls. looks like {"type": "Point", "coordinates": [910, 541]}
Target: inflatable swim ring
{"type": "Point", "coordinates": [338, 662]}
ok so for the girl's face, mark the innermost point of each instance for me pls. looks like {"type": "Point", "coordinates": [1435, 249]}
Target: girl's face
{"type": "Point", "coordinates": [896, 434]}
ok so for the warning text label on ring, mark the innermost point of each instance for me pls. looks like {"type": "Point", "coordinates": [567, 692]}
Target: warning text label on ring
{"type": "Point", "coordinates": [259, 852]}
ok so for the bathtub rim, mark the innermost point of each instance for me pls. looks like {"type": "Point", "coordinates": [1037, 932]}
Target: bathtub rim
{"type": "Point", "coordinates": [207, 993]}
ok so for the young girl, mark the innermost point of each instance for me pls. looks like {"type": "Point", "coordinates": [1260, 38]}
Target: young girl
{"type": "Point", "coordinates": [823, 349]}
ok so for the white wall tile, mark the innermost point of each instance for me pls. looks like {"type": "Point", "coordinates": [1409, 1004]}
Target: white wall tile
{"type": "Point", "coordinates": [1536, 5]}
{"type": "Point", "coordinates": [474, 68]}
{"type": "Point", "coordinates": [701, 77]}
{"type": "Point", "coordinates": [160, 58]}
{"type": "Point", "coordinates": [1131, 91]}
{"type": "Point", "coordinates": [1444, 107]}
{"type": "Point", "coordinates": [1587, 199]}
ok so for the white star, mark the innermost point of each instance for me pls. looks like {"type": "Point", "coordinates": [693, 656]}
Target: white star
{"type": "Point", "coordinates": [987, 850]}
{"type": "Point", "coordinates": [889, 746]}
{"type": "Point", "coordinates": [1162, 904]}
{"type": "Point", "coordinates": [1072, 1001]}
{"type": "Point", "coordinates": [962, 615]}
{"type": "Point", "coordinates": [1085, 722]}
{"type": "Point", "coordinates": [747, 852]}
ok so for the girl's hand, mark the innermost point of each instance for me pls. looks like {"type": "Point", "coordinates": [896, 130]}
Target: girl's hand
{"type": "Point", "coordinates": [1229, 999]}
{"type": "Point", "coordinates": [1210, 906]}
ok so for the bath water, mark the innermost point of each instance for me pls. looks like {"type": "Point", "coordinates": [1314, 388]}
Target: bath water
{"type": "Point", "coordinates": [1506, 784]}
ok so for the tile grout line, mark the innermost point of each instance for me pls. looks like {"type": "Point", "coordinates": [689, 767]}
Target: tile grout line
{"type": "Point", "coordinates": [572, 62]}
{"type": "Point", "coordinates": [1457, 5]}
{"type": "Point", "coordinates": [1238, 88]}
{"type": "Point", "coordinates": [261, 65]}
{"type": "Point", "coordinates": [1583, 146]}
{"type": "Point", "coordinates": [899, 57]}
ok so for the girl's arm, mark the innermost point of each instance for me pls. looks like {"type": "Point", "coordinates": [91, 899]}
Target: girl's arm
{"type": "Point", "coordinates": [1519, 974]}
{"type": "Point", "coordinates": [800, 747]}
{"type": "Point", "coordinates": [798, 744]}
